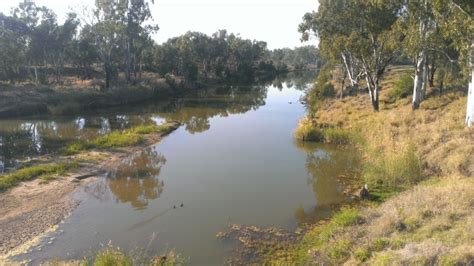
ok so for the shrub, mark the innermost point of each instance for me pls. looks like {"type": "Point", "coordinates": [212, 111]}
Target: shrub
{"type": "Point", "coordinates": [402, 88]}
{"type": "Point", "coordinates": [397, 168]}
{"type": "Point", "coordinates": [306, 131]}
{"type": "Point", "coordinates": [322, 88]}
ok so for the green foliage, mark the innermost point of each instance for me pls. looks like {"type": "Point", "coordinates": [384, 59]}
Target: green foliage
{"type": "Point", "coordinates": [299, 58]}
{"type": "Point", "coordinates": [46, 171]}
{"type": "Point", "coordinates": [402, 88]}
{"type": "Point", "coordinates": [308, 132]}
{"type": "Point", "coordinates": [322, 88]}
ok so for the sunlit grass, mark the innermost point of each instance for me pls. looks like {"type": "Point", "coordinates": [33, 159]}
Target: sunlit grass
{"type": "Point", "coordinates": [47, 172]}
{"type": "Point", "coordinates": [115, 139]}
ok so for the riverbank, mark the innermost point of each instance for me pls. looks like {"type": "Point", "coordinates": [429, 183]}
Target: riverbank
{"type": "Point", "coordinates": [418, 166]}
{"type": "Point", "coordinates": [34, 207]}
{"type": "Point", "coordinates": [29, 99]}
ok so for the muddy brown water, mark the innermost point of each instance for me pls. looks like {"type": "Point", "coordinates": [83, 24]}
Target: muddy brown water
{"type": "Point", "coordinates": [234, 160]}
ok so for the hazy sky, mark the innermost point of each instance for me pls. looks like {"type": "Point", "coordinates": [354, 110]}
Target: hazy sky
{"type": "Point", "coordinates": [273, 21]}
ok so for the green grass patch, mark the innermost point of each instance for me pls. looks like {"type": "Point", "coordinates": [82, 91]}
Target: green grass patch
{"type": "Point", "coordinates": [402, 88]}
{"type": "Point", "coordinates": [112, 257]}
{"type": "Point", "coordinates": [394, 170]}
{"type": "Point", "coordinates": [114, 139]}
{"type": "Point", "coordinates": [339, 251]}
{"type": "Point", "coordinates": [362, 254]}
{"type": "Point", "coordinates": [308, 132]}
{"type": "Point", "coordinates": [151, 128]}
{"type": "Point", "coordinates": [339, 136]}
{"type": "Point", "coordinates": [46, 171]}
{"type": "Point", "coordinates": [320, 238]}
{"type": "Point", "coordinates": [380, 243]}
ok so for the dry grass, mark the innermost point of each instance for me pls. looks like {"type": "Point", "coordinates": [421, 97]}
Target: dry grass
{"type": "Point", "coordinates": [432, 221]}
{"type": "Point", "coordinates": [429, 224]}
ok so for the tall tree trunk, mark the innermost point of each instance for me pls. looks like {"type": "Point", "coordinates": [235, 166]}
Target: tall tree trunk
{"type": "Point", "coordinates": [432, 72]}
{"type": "Point", "coordinates": [349, 69]}
{"type": "Point", "coordinates": [424, 81]}
{"type": "Point", "coordinates": [343, 83]}
{"type": "Point", "coordinates": [128, 69]}
{"type": "Point", "coordinates": [419, 82]}
{"type": "Point", "coordinates": [373, 88]}
{"type": "Point", "coordinates": [107, 74]}
{"type": "Point", "coordinates": [470, 92]}
{"type": "Point", "coordinates": [375, 98]}
{"type": "Point", "coordinates": [36, 73]}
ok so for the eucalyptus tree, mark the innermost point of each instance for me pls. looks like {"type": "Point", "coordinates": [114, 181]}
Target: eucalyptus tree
{"type": "Point", "coordinates": [109, 30]}
{"type": "Point", "coordinates": [13, 47]}
{"type": "Point", "coordinates": [137, 34]}
{"type": "Point", "coordinates": [361, 33]}
{"type": "Point", "coordinates": [456, 22]}
{"type": "Point", "coordinates": [332, 24]}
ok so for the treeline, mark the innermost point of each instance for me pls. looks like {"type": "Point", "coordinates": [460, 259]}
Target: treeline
{"type": "Point", "coordinates": [299, 58]}
{"type": "Point", "coordinates": [112, 42]}
{"type": "Point", "coordinates": [222, 56]}
{"type": "Point", "coordinates": [362, 38]}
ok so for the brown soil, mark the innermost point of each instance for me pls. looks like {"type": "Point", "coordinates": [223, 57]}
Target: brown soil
{"type": "Point", "coordinates": [32, 208]}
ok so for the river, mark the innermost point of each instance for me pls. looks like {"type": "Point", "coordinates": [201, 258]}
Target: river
{"type": "Point", "coordinates": [233, 160]}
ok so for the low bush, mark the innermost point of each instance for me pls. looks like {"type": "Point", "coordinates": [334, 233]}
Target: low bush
{"type": "Point", "coordinates": [398, 168]}
{"type": "Point", "coordinates": [402, 88]}
{"type": "Point", "coordinates": [306, 131]}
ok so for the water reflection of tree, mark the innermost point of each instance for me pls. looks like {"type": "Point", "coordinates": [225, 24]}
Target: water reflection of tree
{"type": "Point", "coordinates": [195, 112]}
{"type": "Point", "coordinates": [135, 180]}
{"type": "Point", "coordinates": [298, 79]}
{"type": "Point", "coordinates": [324, 165]}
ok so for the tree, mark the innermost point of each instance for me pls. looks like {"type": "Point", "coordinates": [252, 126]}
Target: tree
{"type": "Point", "coordinates": [455, 19]}
{"type": "Point", "coordinates": [108, 33]}
{"type": "Point", "coordinates": [361, 33]}
{"type": "Point", "coordinates": [136, 34]}
{"type": "Point", "coordinates": [12, 46]}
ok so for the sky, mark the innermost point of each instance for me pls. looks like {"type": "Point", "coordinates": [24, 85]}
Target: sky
{"type": "Point", "coordinates": [273, 21]}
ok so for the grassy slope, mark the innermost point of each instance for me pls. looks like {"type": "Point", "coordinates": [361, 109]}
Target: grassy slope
{"type": "Point", "coordinates": [432, 220]}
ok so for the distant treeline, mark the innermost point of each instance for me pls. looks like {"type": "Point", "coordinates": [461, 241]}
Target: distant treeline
{"type": "Point", "coordinates": [112, 42]}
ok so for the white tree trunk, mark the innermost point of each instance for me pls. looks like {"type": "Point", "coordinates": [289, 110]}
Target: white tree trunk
{"type": "Point", "coordinates": [470, 101]}
{"type": "Point", "coordinates": [348, 68]}
{"type": "Point", "coordinates": [420, 79]}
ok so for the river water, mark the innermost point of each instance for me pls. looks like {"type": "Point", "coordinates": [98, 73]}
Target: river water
{"type": "Point", "coordinates": [234, 160]}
